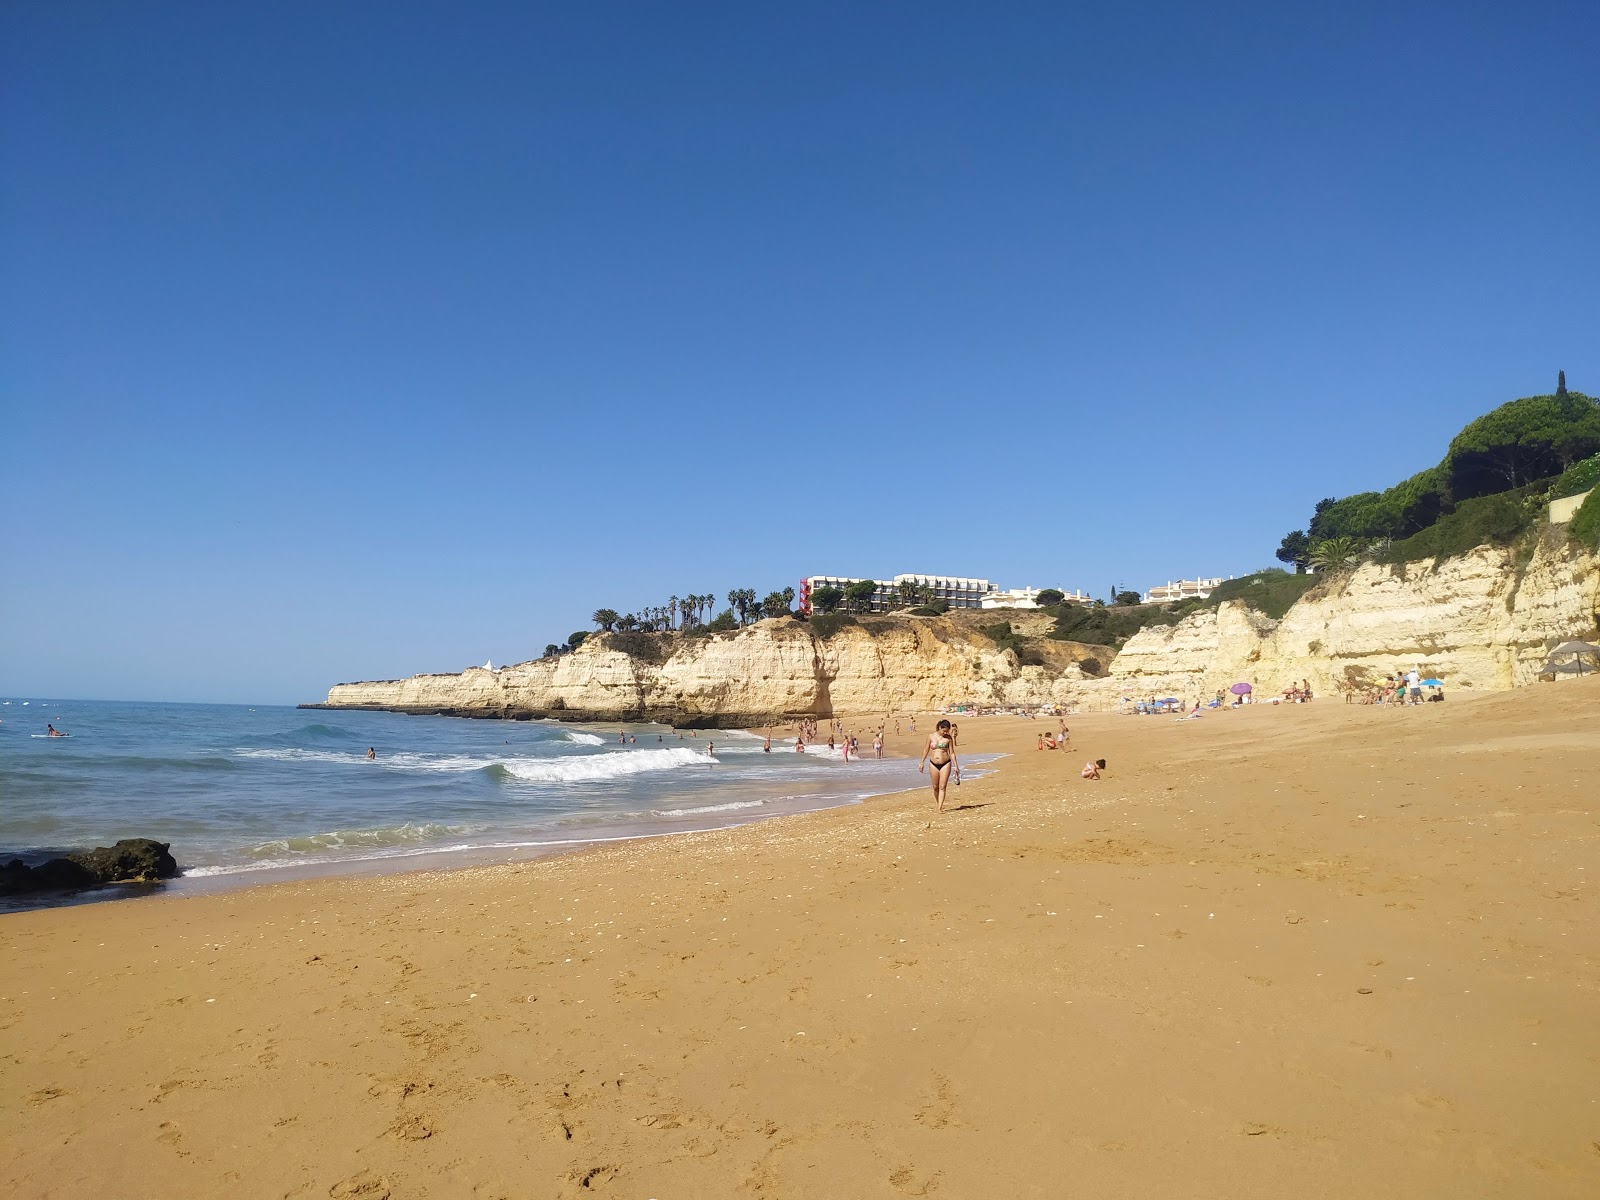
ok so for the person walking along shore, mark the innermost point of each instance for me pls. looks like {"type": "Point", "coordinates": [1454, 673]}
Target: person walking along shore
{"type": "Point", "coordinates": [939, 757]}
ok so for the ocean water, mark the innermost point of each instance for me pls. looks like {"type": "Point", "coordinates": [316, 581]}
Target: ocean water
{"type": "Point", "coordinates": [244, 792]}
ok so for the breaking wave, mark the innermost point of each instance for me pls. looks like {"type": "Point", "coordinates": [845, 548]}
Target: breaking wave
{"type": "Point", "coordinates": [410, 834]}
{"type": "Point", "coordinates": [731, 806]}
{"type": "Point", "coordinates": [592, 767]}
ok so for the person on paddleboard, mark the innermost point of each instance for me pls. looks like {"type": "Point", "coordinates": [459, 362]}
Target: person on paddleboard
{"type": "Point", "coordinates": [52, 731]}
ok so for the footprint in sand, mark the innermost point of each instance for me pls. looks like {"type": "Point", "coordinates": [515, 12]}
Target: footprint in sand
{"type": "Point", "coordinates": [363, 1185]}
{"type": "Point", "coordinates": [940, 1111]}
{"type": "Point", "coordinates": [411, 1129]}
{"type": "Point", "coordinates": [905, 1181]}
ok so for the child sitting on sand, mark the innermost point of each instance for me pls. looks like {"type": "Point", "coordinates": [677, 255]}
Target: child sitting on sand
{"type": "Point", "coordinates": [1091, 770]}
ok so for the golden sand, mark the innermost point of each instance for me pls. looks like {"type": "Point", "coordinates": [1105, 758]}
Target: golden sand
{"type": "Point", "coordinates": [1289, 951]}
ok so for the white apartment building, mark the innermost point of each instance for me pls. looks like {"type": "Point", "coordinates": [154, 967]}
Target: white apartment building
{"type": "Point", "coordinates": [1183, 589]}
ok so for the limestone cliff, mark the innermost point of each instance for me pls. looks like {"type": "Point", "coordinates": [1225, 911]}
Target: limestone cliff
{"type": "Point", "coordinates": [773, 668]}
{"type": "Point", "coordinates": [1482, 622]}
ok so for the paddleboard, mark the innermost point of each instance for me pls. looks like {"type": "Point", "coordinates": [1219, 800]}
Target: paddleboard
{"type": "Point", "coordinates": [51, 736]}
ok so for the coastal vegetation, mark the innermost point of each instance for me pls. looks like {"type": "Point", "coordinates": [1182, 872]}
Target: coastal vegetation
{"type": "Point", "coordinates": [1495, 476]}
{"type": "Point", "coordinates": [1580, 477]}
{"type": "Point", "coordinates": [825, 625]}
{"type": "Point", "coordinates": [1585, 525]}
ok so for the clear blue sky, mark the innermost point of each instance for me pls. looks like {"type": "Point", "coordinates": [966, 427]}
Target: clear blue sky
{"type": "Point", "coordinates": [351, 340]}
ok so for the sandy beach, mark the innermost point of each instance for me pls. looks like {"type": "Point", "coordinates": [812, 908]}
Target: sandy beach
{"type": "Point", "coordinates": [1316, 950]}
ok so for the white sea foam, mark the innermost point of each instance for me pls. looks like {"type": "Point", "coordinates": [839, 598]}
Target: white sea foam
{"type": "Point", "coordinates": [732, 806]}
{"type": "Point", "coordinates": [332, 756]}
{"type": "Point", "coordinates": [588, 767]}
{"type": "Point", "coordinates": [410, 834]}
{"type": "Point", "coordinates": [568, 768]}
{"type": "Point", "coordinates": [583, 739]}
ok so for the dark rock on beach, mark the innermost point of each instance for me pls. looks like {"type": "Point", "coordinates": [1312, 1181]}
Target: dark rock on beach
{"type": "Point", "coordinates": [132, 860]}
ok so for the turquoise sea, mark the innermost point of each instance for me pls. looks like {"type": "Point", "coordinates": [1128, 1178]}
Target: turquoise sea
{"type": "Point", "coordinates": [250, 794]}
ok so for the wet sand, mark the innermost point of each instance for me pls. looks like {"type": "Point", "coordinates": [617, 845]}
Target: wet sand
{"type": "Point", "coordinates": [1307, 950]}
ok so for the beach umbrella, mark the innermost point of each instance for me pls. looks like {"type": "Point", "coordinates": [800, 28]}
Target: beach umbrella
{"type": "Point", "coordinates": [1577, 652]}
{"type": "Point", "coordinates": [1241, 689]}
{"type": "Point", "coordinates": [1433, 683]}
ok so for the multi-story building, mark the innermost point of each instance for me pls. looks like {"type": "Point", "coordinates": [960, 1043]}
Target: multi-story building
{"type": "Point", "coordinates": [956, 591]}
{"type": "Point", "coordinates": [1183, 589]}
{"type": "Point", "coordinates": [1028, 597]}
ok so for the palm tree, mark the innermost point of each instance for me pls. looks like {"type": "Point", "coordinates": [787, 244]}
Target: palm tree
{"type": "Point", "coordinates": [743, 600]}
{"type": "Point", "coordinates": [606, 618]}
{"type": "Point", "coordinates": [628, 623]}
{"type": "Point", "coordinates": [1332, 553]}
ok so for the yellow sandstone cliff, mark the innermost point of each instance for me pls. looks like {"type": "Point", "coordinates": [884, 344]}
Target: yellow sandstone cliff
{"type": "Point", "coordinates": [1482, 621]}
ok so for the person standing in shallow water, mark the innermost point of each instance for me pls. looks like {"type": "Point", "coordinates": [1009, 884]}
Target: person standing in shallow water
{"type": "Point", "coordinates": [939, 756]}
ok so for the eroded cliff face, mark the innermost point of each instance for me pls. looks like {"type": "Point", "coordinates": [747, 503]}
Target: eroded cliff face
{"type": "Point", "coordinates": [771, 669]}
{"type": "Point", "coordinates": [1483, 621]}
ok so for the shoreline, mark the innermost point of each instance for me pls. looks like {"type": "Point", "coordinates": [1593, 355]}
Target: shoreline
{"type": "Point", "coordinates": [622, 828]}
{"type": "Point", "coordinates": [1295, 942]}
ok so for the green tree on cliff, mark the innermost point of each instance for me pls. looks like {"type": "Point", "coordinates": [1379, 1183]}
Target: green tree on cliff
{"type": "Point", "coordinates": [1049, 597]}
{"type": "Point", "coordinates": [827, 598]}
{"type": "Point", "coordinates": [860, 594]}
{"type": "Point", "coordinates": [1528, 439]}
{"type": "Point", "coordinates": [1295, 548]}
{"type": "Point", "coordinates": [606, 618]}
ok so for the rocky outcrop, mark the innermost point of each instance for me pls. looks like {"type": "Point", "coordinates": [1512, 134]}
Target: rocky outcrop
{"type": "Point", "coordinates": [1481, 621]}
{"type": "Point", "coordinates": [132, 860]}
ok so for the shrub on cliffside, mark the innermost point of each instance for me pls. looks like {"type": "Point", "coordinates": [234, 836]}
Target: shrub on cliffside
{"type": "Point", "coordinates": [1495, 520]}
{"type": "Point", "coordinates": [1269, 592]}
{"type": "Point", "coordinates": [1577, 479]}
{"type": "Point", "coordinates": [1584, 527]}
{"type": "Point", "coordinates": [1098, 625]}
{"type": "Point", "coordinates": [645, 647]}
{"type": "Point", "coordinates": [825, 625]}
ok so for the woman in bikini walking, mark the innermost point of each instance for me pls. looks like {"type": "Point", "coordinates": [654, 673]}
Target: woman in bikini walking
{"type": "Point", "coordinates": [940, 756]}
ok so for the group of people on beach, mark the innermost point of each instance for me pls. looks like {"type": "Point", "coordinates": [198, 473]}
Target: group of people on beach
{"type": "Point", "coordinates": [1059, 740]}
{"type": "Point", "coordinates": [1401, 688]}
{"type": "Point", "coordinates": [844, 742]}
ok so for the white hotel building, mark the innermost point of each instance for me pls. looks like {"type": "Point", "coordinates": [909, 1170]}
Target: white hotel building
{"type": "Point", "coordinates": [956, 591]}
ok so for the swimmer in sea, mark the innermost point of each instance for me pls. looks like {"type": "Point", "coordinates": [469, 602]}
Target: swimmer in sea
{"type": "Point", "coordinates": [939, 755]}
{"type": "Point", "coordinates": [372, 754]}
